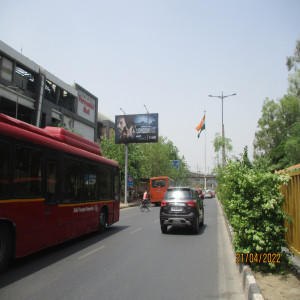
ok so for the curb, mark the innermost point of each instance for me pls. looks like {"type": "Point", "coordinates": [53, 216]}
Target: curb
{"type": "Point", "coordinates": [131, 204]}
{"type": "Point", "coordinates": [251, 288]}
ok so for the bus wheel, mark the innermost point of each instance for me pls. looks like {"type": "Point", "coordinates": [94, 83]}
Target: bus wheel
{"type": "Point", "coordinates": [102, 221]}
{"type": "Point", "coordinates": [5, 246]}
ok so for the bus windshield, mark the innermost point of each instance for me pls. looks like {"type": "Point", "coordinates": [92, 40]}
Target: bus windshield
{"type": "Point", "coordinates": [156, 183]}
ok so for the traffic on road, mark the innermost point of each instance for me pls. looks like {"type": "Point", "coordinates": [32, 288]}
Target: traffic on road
{"type": "Point", "coordinates": [132, 259]}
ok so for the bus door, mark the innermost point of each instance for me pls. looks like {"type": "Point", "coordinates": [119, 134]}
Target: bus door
{"type": "Point", "coordinates": [116, 197]}
{"type": "Point", "coordinates": [51, 201]}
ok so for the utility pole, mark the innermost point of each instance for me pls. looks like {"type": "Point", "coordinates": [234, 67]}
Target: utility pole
{"type": "Point", "coordinates": [223, 135]}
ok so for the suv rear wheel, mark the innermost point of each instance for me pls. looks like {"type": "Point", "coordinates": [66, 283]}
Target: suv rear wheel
{"type": "Point", "coordinates": [202, 222]}
{"type": "Point", "coordinates": [164, 228]}
{"type": "Point", "coordinates": [196, 226]}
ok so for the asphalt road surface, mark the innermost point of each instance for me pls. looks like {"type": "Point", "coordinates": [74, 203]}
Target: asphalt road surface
{"type": "Point", "coordinates": [132, 260]}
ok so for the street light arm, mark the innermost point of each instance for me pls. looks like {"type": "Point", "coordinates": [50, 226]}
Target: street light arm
{"type": "Point", "coordinates": [229, 95]}
{"type": "Point", "coordinates": [222, 97]}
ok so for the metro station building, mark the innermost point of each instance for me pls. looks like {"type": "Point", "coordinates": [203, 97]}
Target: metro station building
{"type": "Point", "coordinates": [32, 94]}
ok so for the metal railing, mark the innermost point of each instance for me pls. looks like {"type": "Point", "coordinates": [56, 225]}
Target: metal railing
{"type": "Point", "coordinates": [291, 193]}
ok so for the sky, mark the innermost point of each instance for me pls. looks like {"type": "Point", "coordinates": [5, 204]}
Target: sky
{"type": "Point", "coordinates": [167, 55]}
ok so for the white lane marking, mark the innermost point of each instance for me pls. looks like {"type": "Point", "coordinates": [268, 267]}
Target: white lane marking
{"type": "Point", "coordinates": [136, 230]}
{"type": "Point", "coordinates": [156, 221]}
{"type": "Point", "coordinates": [91, 252]}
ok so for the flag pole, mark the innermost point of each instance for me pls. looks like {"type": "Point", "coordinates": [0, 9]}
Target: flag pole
{"type": "Point", "coordinates": [205, 157]}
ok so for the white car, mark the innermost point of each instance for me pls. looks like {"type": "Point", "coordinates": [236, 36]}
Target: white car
{"type": "Point", "coordinates": [207, 194]}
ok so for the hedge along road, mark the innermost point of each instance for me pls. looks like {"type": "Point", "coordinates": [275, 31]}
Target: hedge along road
{"type": "Point", "coordinates": [133, 260]}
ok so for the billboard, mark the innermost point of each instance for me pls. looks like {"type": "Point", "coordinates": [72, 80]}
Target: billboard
{"type": "Point", "coordinates": [136, 128]}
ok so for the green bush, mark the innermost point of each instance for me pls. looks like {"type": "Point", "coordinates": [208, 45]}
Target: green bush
{"type": "Point", "coordinates": [253, 206]}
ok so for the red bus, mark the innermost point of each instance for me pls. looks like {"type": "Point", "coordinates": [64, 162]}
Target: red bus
{"type": "Point", "coordinates": [54, 186]}
{"type": "Point", "coordinates": [158, 187]}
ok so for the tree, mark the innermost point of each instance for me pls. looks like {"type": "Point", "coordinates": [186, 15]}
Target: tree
{"type": "Point", "coordinates": [292, 61]}
{"type": "Point", "coordinates": [292, 145]}
{"type": "Point", "coordinates": [278, 137]}
{"type": "Point", "coordinates": [219, 142]}
{"type": "Point", "coordinates": [294, 78]}
{"type": "Point", "coordinates": [147, 160]}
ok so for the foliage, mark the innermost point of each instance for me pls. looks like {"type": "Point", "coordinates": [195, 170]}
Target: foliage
{"type": "Point", "coordinates": [253, 205]}
{"type": "Point", "coordinates": [278, 137]}
{"type": "Point", "coordinates": [294, 78]}
{"type": "Point", "coordinates": [294, 83]}
{"type": "Point", "coordinates": [292, 145]}
{"type": "Point", "coordinates": [160, 156]}
{"type": "Point", "coordinates": [147, 160]}
{"type": "Point", "coordinates": [219, 142]}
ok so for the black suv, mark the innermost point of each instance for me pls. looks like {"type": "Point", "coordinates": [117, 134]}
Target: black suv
{"type": "Point", "coordinates": [181, 207]}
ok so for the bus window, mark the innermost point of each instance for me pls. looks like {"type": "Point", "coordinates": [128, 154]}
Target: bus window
{"type": "Point", "coordinates": [72, 180]}
{"type": "Point", "coordinates": [105, 183]}
{"type": "Point", "coordinates": [159, 183]}
{"type": "Point", "coordinates": [52, 181]}
{"type": "Point", "coordinates": [4, 170]}
{"type": "Point", "coordinates": [27, 172]}
{"type": "Point", "coordinates": [117, 187]}
{"type": "Point", "coordinates": [91, 183]}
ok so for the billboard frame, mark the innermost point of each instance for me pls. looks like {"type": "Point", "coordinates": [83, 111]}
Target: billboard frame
{"type": "Point", "coordinates": [138, 128]}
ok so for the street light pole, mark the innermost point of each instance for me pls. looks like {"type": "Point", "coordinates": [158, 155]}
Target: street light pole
{"type": "Point", "coordinates": [223, 137]}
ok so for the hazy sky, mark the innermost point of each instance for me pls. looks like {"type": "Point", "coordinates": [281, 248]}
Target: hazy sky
{"type": "Point", "coordinates": [168, 55]}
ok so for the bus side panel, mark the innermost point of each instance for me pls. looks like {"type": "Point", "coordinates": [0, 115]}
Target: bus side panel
{"type": "Point", "coordinates": [76, 220]}
{"type": "Point", "coordinates": [65, 223]}
{"type": "Point", "coordinates": [116, 191]}
{"type": "Point", "coordinates": [29, 224]}
{"type": "Point", "coordinates": [51, 225]}
{"type": "Point", "coordinates": [116, 209]}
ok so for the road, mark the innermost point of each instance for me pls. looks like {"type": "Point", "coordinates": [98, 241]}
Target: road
{"type": "Point", "coordinates": [132, 260]}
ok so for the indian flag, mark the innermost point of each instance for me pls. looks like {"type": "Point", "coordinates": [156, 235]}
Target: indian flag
{"type": "Point", "coordinates": [201, 126]}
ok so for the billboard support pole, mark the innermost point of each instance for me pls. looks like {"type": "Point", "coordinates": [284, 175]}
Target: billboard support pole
{"type": "Point", "coordinates": [126, 164]}
{"type": "Point", "coordinates": [205, 160]}
{"type": "Point", "coordinates": [139, 128]}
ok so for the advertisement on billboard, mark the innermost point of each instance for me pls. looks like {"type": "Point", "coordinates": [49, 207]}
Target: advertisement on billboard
{"type": "Point", "coordinates": [136, 128]}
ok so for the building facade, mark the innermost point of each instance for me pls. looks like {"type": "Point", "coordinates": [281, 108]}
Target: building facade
{"type": "Point", "coordinates": [106, 127]}
{"type": "Point", "coordinates": [30, 93]}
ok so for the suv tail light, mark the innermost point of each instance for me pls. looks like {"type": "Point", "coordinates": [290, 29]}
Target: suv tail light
{"type": "Point", "coordinates": [163, 203]}
{"type": "Point", "coordinates": [191, 203]}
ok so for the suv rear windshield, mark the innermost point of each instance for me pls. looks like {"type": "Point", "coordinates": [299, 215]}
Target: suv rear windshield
{"type": "Point", "coordinates": [172, 194]}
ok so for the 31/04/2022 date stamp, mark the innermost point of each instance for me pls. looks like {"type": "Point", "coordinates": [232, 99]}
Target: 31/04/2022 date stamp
{"type": "Point", "coordinates": [261, 258]}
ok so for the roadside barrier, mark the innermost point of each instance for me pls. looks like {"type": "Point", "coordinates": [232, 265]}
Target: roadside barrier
{"type": "Point", "coordinates": [291, 193]}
